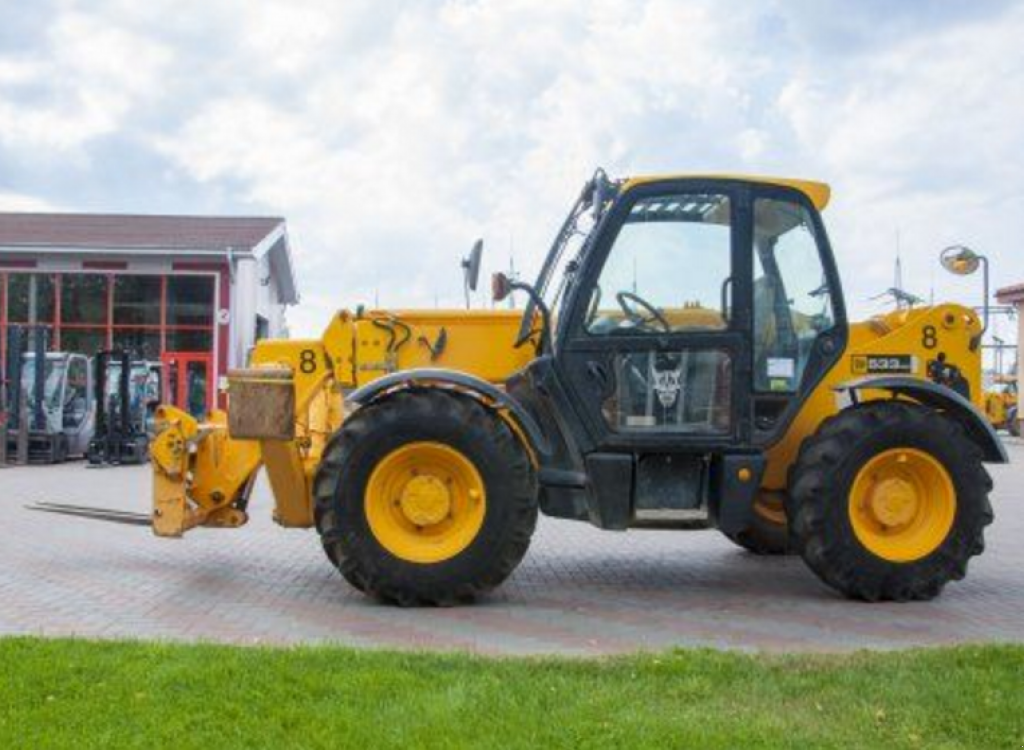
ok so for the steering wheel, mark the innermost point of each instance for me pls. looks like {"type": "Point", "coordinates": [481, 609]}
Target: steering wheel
{"type": "Point", "coordinates": [626, 301]}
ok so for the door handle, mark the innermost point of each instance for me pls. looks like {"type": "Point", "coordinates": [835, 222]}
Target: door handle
{"type": "Point", "coordinates": [726, 299]}
{"type": "Point", "coordinates": [599, 374]}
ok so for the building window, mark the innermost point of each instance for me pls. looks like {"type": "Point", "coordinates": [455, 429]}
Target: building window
{"type": "Point", "coordinates": [19, 302]}
{"type": "Point", "coordinates": [189, 341]}
{"type": "Point", "coordinates": [141, 342]}
{"type": "Point", "coordinates": [85, 341]}
{"type": "Point", "coordinates": [137, 300]}
{"type": "Point", "coordinates": [189, 301]}
{"type": "Point", "coordinates": [83, 299]}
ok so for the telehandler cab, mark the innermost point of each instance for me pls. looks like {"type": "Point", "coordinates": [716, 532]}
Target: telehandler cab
{"type": "Point", "coordinates": [684, 362]}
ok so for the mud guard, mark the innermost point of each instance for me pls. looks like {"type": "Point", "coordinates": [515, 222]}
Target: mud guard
{"type": "Point", "coordinates": [937, 397]}
{"type": "Point", "coordinates": [481, 390]}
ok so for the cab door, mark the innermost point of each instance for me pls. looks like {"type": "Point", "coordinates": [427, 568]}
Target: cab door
{"type": "Point", "coordinates": [655, 339]}
{"type": "Point", "coordinates": [799, 322]}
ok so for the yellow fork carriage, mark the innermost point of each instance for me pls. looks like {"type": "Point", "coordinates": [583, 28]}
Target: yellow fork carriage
{"type": "Point", "coordinates": [684, 361]}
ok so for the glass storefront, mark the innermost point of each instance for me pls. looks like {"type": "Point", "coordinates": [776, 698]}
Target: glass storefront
{"type": "Point", "coordinates": [88, 312]}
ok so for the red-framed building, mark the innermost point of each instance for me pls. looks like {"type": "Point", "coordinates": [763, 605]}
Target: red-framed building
{"type": "Point", "coordinates": [1014, 295]}
{"type": "Point", "coordinates": [195, 292]}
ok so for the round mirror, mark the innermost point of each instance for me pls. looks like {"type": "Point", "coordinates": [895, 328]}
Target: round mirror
{"type": "Point", "coordinates": [960, 260]}
{"type": "Point", "coordinates": [501, 286]}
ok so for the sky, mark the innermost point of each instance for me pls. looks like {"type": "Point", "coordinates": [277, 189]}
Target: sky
{"type": "Point", "coordinates": [391, 135]}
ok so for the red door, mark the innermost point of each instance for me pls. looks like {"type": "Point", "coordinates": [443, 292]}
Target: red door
{"type": "Point", "coordinates": [188, 382]}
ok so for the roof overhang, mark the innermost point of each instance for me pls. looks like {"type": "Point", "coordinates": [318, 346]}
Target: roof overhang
{"type": "Point", "coordinates": [1011, 295]}
{"type": "Point", "coordinates": [276, 248]}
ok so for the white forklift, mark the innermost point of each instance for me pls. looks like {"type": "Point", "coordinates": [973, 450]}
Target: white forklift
{"type": "Point", "coordinates": [50, 409]}
{"type": "Point", "coordinates": [127, 393]}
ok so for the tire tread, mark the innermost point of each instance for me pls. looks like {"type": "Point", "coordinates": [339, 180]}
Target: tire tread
{"type": "Point", "coordinates": [814, 484]}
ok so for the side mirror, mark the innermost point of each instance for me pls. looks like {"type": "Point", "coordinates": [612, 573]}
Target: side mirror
{"type": "Point", "coordinates": [471, 265]}
{"type": "Point", "coordinates": [501, 286]}
{"type": "Point", "coordinates": [960, 260]}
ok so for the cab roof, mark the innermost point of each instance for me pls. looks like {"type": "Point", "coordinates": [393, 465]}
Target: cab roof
{"type": "Point", "coordinates": [817, 192]}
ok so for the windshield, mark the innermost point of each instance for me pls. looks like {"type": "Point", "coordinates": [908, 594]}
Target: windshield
{"type": "Point", "coordinates": [572, 240]}
{"type": "Point", "coordinates": [53, 388]}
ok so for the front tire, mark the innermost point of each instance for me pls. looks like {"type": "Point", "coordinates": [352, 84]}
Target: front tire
{"type": "Point", "coordinates": [425, 498]}
{"type": "Point", "coordinates": [889, 501]}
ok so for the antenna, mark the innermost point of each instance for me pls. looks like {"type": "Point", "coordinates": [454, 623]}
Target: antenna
{"type": "Point", "coordinates": [900, 296]}
{"type": "Point", "coordinates": [511, 275]}
{"type": "Point", "coordinates": [511, 266]}
{"type": "Point", "coordinates": [898, 276]}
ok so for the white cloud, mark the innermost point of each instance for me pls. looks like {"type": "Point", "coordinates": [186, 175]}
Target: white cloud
{"type": "Point", "coordinates": [81, 83]}
{"type": "Point", "coordinates": [479, 118]}
{"type": "Point", "coordinates": [21, 202]}
{"type": "Point", "coordinates": [922, 140]}
{"type": "Point", "coordinates": [391, 134]}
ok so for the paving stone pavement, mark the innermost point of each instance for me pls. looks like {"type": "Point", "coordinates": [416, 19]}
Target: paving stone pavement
{"type": "Point", "coordinates": [580, 590]}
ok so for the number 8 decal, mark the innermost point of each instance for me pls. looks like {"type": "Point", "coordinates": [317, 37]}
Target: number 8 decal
{"type": "Point", "coordinates": [307, 361]}
{"type": "Point", "coordinates": [929, 340]}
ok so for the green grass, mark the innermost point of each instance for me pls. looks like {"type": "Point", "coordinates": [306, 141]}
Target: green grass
{"type": "Point", "coordinates": [73, 693]}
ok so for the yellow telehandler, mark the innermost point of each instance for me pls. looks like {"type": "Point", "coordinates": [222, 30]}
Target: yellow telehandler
{"type": "Point", "coordinates": [683, 361]}
{"type": "Point", "coordinates": [1001, 404]}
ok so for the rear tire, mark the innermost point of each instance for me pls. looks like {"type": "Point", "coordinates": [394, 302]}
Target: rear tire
{"type": "Point", "coordinates": [768, 533]}
{"type": "Point", "coordinates": [1012, 423]}
{"type": "Point", "coordinates": [824, 504]}
{"type": "Point", "coordinates": [454, 425]}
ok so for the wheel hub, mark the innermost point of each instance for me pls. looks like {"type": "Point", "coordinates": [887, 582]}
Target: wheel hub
{"type": "Point", "coordinates": [425, 500]}
{"type": "Point", "coordinates": [902, 504]}
{"type": "Point", "coordinates": [893, 502]}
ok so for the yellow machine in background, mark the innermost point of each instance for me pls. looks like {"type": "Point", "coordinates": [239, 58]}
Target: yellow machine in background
{"type": "Point", "coordinates": [422, 444]}
{"type": "Point", "coordinates": [1001, 404]}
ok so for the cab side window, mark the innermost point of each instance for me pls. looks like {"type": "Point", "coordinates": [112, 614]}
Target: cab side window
{"type": "Point", "coordinates": [792, 300]}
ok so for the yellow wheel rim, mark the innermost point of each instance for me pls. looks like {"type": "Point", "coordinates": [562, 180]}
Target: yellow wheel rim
{"type": "Point", "coordinates": [425, 502]}
{"type": "Point", "coordinates": [902, 504]}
